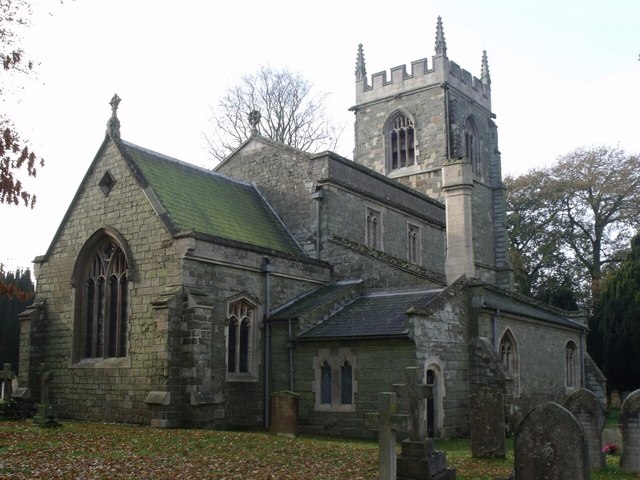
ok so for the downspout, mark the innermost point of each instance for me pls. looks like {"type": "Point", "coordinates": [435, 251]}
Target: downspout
{"type": "Point", "coordinates": [318, 195]}
{"type": "Point", "coordinates": [290, 347]}
{"type": "Point", "coordinates": [266, 269]}
{"type": "Point", "coordinates": [582, 378]}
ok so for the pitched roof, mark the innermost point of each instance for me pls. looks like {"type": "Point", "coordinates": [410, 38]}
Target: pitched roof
{"type": "Point", "coordinates": [310, 301]}
{"type": "Point", "coordinates": [208, 203]}
{"type": "Point", "coordinates": [372, 315]}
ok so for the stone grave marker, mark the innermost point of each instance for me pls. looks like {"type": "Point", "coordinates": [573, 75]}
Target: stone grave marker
{"type": "Point", "coordinates": [418, 459]}
{"type": "Point", "coordinates": [6, 390]}
{"type": "Point", "coordinates": [587, 409]}
{"type": "Point", "coordinates": [630, 419]}
{"type": "Point", "coordinates": [44, 410]}
{"type": "Point", "coordinates": [550, 445]}
{"type": "Point", "coordinates": [615, 399]}
{"type": "Point", "coordinates": [389, 422]}
{"type": "Point", "coordinates": [487, 424]}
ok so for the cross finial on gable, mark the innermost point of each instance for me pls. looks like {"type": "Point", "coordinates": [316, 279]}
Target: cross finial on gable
{"type": "Point", "coordinates": [113, 125]}
{"type": "Point", "coordinates": [254, 120]}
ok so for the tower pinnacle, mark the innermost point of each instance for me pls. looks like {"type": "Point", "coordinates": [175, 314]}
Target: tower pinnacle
{"type": "Point", "coordinates": [113, 125]}
{"type": "Point", "coordinates": [441, 44]}
{"type": "Point", "coordinates": [484, 72]}
{"type": "Point", "coordinates": [361, 70]}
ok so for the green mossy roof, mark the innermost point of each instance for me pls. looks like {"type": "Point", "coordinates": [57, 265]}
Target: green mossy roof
{"type": "Point", "coordinates": [208, 203]}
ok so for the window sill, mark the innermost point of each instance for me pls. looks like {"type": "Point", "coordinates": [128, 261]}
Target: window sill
{"type": "Point", "coordinates": [241, 377]}
{"type": "Point", "coordinates": [342, 408]}
{"type": "Point", "coordinates": [116, 362]}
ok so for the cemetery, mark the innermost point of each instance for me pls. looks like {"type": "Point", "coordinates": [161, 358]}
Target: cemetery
{"type": "Point", "coordinates": [552, 441]}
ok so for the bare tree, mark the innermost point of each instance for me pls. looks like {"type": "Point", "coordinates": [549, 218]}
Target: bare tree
{"type": "Point", "coordinates": [290, 113]}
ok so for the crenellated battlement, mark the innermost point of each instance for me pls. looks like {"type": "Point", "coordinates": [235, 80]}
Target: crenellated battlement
{"type": "Point", "coordinates": [398, 81]}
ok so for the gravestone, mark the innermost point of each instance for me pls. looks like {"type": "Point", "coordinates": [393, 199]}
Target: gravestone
{"type": "Point", "coordinates": [44, 410]}
{"type": "Point", "coordinates": [487, 424]}
{"type": "Point", "coordinates": [615, 399]}
{"type": "Point", "coordinates": [389, 422]}
{"type": "Point", "coordinates": [418, 458]}
{"type": "Point", "coordinates": [550, 445]}
{"type": "Point", "coordinates": [6, 389]}
{"type": "Point", "coordinates": [630, 419]}
{"type": "Point", "coordinates": [587, 409]}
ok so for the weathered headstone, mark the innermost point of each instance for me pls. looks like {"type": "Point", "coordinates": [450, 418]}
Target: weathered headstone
{"type": "Point", "coordinates": [550, 445]}
{"type": "Point", "coordinates": [587, 409]}
{"type": "Point", "coordinates": [44, 410]}
{"type": "Point", "coordinates": [6, 376]}
{"type": "Point", "coordinates": [487, 424]}
{"type": "Point", "coordinates": [630, 419]}
{"type": "Point", "coordinates": [418, 459]}
{"type": "Point", "coordinates": [389, 422]}
{"type": "Point", "coordinates": [615, 399]}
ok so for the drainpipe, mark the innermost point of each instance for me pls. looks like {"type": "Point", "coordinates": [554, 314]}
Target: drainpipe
{"type": "Point", "coordinates": [267, 268]}
{"type": "Point", "coordinates": [582, 379]}
{"type": "Point", "coordinates": [318, 195]}
{"type": "Point", "coordinates": [290, 347]}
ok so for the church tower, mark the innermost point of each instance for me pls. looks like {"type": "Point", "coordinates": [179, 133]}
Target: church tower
{"type": "Point", "coordinates": [433, 129]}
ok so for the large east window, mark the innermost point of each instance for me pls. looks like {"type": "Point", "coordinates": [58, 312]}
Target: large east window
{"type": "Point", "coordinates": [102, 296]}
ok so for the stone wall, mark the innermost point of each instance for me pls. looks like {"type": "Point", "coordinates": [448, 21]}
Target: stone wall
{"type": "Point", "coordinates": [112, 389]}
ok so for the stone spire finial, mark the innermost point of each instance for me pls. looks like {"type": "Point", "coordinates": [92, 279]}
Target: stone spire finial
{"type": "Point", "coordinates": [484, 72]}
{"type": "Point", "coordinates": [113, 125]}
{"type": "Point", "coordinates": [441, 44]}
{"type": "Point", "coordinates": [254, 121]}
{"type": "Point", "coordinates": [361, 70]}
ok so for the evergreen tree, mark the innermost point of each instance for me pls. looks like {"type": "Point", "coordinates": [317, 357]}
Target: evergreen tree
{"type": "Point", "coordinates": [10, 307]}
{"type": "Point", "coordinates": [619, 322]}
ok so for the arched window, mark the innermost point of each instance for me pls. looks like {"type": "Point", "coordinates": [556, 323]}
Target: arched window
{"type": "Point", "coordinates": [472, 145]}
{"type": "Point", "coordinates": [509, 356]}
{"type": "Point", "coordinates": [102, 300]}
{"type": "Point", "coordinates": [401, 144]}
{"type": "Point", "coordinates": [572, 365]}
{"type": "Point", "coordinates": [240, 337]}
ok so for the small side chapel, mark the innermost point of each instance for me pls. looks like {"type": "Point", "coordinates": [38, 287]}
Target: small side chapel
{"type": "Point", "coordinates": [172, 295]}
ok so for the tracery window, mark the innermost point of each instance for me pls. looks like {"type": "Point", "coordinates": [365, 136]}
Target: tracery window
{"type": "Point", "coordinates": [334, 383]}
{"type": "Point", "coordinates": [240, 332]}
{"type": "Point", "coordinates": [508, 352]}
{"type": "Point", "coordinates": [572, 365]}
{"type": "Point", "coordinates": [400, 136]}
{"type": "Point", "coordinates": [102, 286]}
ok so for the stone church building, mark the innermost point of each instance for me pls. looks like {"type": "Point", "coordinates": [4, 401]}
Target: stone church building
{"type": "Point", "coordinates": [172, 295]}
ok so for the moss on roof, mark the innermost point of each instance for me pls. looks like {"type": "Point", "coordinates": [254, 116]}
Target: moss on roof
{"type": "Point", "coordinates": [208, 203]}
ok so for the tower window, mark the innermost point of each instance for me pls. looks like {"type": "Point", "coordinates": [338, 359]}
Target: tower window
{"type": "Point", "coordinates": [472, 145]}
{"type": "Point", "coordinates": [400, 136]}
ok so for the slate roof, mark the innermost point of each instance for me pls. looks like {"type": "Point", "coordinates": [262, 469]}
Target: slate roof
{"type": "Point", "coordinates": [506, 303]}
{"type": "Point", "coordinates": [372, 315]}
{"type": "Point", "coordinates": [310, 301]}
{"type": "Point", "coordinates": [194, 198]}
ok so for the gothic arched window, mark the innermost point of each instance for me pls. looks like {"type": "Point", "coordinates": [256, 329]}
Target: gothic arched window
{"type": "Point", "coordinates": [102, 300]}
{"type": "Point", "coordinates": [401, 143]}
{"type": "Point", "coordinates": [472, 145]}
{"type": "Point", "coordinates": [572, 365]}
{"type": "Point", "coordinates": [334, 384]}
{"type": "Point", "coordinates": [508, 352]}
{"type": "Point", "coordinates": [240, 327]}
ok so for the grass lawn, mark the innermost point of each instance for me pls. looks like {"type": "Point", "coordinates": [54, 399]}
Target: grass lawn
{"type": "Point", "coordinates": [82, 450]}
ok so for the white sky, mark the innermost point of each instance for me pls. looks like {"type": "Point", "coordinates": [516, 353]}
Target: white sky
{"type": "Point", "coordinates": [564, 74]}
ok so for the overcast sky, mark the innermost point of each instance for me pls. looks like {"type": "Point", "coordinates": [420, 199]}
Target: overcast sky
{"type": "Point", "coordinates": [564, 74]}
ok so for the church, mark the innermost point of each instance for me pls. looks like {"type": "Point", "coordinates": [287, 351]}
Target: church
{"type": "Point", "coordinates": [176, 296]}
